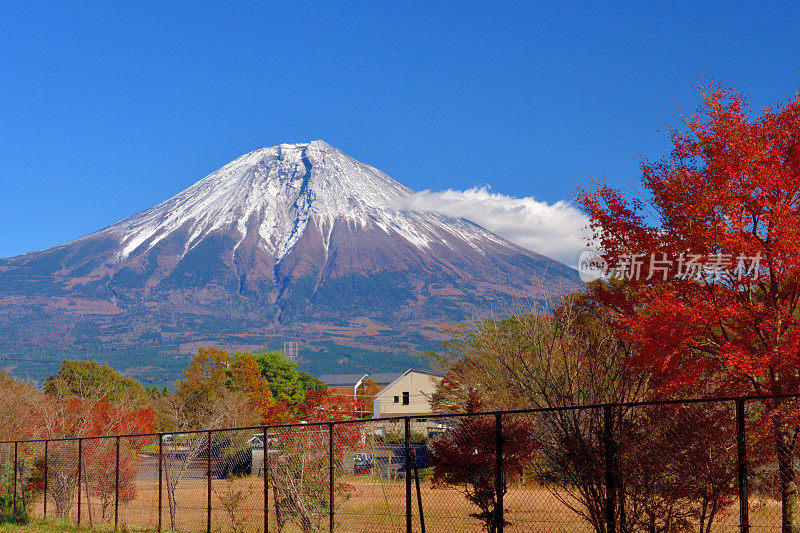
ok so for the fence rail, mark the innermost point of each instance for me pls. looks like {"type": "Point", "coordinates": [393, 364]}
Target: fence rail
{"type": "Point", "coordinates": [683, 464]}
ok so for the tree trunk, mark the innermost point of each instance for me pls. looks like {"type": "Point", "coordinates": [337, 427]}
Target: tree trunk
{"type": "Point", "coordinates": [790, 506]}
{"type": "Point", "coordinates": [173, 506]}
{"type": "Point", "coordinates": [88, 496]}
{"type": "Point", "coordinates": [61, 491]}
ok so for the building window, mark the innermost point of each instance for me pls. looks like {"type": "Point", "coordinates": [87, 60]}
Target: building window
{"type": "Point", "coordinates": [397, 399]}
{"type": "Point", "coordinates": [405, 398]}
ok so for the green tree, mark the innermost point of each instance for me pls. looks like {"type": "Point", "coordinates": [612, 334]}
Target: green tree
{"type": "Point", "coordinates": [90, 379]}
{"type": "Point", "coordinates": [309, 382]}
{"type": "Point", "coordinates": [283, 378]}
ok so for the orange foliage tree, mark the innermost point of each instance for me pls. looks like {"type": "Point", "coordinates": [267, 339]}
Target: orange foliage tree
{"type": "Point", "coordinates": [727, 195]}
{"type": "Point", "coordinates": [83, 417]}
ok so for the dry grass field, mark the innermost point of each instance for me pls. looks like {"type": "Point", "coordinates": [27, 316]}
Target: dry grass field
{"type": "Point", "coordinates": [371, 507]}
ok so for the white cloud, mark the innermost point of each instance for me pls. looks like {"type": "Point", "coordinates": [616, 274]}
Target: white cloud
{"type": "Point", "coordinates": [555, 230]}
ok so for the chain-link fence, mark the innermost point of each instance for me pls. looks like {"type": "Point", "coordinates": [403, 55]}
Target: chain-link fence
{"type": "Point", "coordinates": [697, 465]}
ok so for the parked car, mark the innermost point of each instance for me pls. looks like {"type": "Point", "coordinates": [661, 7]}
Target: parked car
{"type": "Point", "coordinates": [362, 463]}
{"type": "Point", "coordinates": [257, 440]}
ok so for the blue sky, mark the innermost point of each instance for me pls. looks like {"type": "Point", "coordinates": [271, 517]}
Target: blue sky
{"type": "Point", "coordinates": [110, 108]}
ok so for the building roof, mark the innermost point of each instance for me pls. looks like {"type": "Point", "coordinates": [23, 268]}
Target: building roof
{"type": "Point", "coordinates": [340, 380]}
{"type": "Point", "coordinates": [409, 371]}
{"type": "Point", "coordinates": [384, 378]}
{"type": "Point", "coordinates": [350, 380]}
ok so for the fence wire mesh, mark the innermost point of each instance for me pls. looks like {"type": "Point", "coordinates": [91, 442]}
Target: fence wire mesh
{"type": "Point", "coordinates": [772, 433]}
{"type": "Point", "coordinates": [237, 485]}
{"type": "Point", "coordinates": [678, 468]}
{"type": "Point", "coordinates": [62, 479]}
{"type": "Point", "coordinates": [299, 478]}
{"type": "Point", "coordinates": [138, 482]}
{"type": "Point", "coordinates": [185, 466]}
{"type": "Point", "coordinates": [554, 474]}
{"type": "Point", "coordinates": [666, 467]}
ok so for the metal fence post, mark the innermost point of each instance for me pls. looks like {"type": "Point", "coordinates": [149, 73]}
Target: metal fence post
{"type": "Point", "coordinates": [741, 468]}
{"type": "Point", "coordinates": [419, 492]}
{"type": "Point", "coordinates": [407, 424]}
{"type": "Point", "coordinates": [331, 475]}
{"type": "Point", "coordinates": [15, 476]}
{"type": "Point", "coordinates": [45, 477]}
{"type": "Point", "coordinates": [265, 468]}
{"type": "Point", "coordinates": [160, 477]}
{"type": "Point", "coordinates": [610, 452]}
{"type": "Point", "coordinates": [80, 473]}
{"type": "Point", "coordinates": [499, 488]}
{"type": "Point", "coordinates": [208, 489]}
{"type": "Point", "coordinates": [116, 487]}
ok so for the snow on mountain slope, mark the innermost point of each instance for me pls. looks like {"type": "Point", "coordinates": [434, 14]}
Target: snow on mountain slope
{"type": "Point", "coordinates": [277, 191]}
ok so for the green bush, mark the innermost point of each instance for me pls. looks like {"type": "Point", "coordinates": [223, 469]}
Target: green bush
{"type": "Point", "coordinates": [9, 513]}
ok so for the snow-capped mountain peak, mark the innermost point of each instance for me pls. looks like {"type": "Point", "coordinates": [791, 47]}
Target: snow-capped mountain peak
{"type": "Point", "coordinates": [277, 192]}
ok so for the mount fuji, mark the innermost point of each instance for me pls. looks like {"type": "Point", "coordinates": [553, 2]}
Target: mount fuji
{"type": "Point", "coordinates": [293, 242]}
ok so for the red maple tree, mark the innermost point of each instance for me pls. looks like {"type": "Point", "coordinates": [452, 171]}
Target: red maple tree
{"type": "Point", "coordinates": [325, 406]}
{"type": "Point", "coordinates": [728, 189]}
{"type": "Point", "coordinates": [465, 458]}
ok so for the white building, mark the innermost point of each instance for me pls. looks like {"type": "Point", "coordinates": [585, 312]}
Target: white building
{"type": "Point", "coordinates": [408, 395]}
